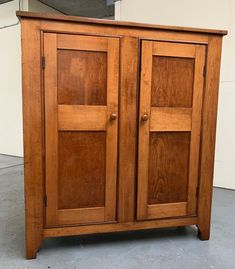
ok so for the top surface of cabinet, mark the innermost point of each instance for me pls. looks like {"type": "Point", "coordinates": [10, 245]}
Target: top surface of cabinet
{"type": "Point", "coordinates": [56, 17]}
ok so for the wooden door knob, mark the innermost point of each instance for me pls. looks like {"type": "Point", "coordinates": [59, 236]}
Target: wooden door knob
{"type": "Point", "coordinates": [113, 116]}
{"type": "Point", "coordinates": [145, 117]}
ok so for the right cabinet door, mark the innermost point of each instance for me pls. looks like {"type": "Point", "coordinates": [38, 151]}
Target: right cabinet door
{"type": "Point", "coordinates": [170, 111]}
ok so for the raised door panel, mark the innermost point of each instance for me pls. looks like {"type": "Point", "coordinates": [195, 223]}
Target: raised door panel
{"type": "Point", "coordinates": [171, 92]}
{"type": "Point", "coordinates": [81, 128]}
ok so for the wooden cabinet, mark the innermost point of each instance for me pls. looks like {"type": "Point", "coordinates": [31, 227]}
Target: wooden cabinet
{"type": "Point", "coordinates": [119, 126]}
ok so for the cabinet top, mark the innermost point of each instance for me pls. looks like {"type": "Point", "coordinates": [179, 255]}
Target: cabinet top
{"type": "Point", "coordinates": [51, 16]}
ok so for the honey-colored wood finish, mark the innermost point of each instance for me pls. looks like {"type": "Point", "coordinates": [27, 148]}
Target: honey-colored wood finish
{"type": "Point", "coordinates": [77, 156]}
{"type": "Point", "coordinates": [119, 125]}
{"type": "Point", "coordinates": [209, 113]}
{"type": "Point", "coordinates": [33, 136]}
{"type": "Point", "coordinates": [168, 119]}
{"type": "Point", "coordinates": [119, 227]}
{"type": "Point", "coordinates": [73, 117]}
{"type": "Point", "coordinates": [92, 91]}
{"type": "Point", "coordinates": [55, 17]}
{"type": "Point", "coordinates": [161, 156]}
{"type": "Point", "coordinates": [128, 130]}
{"type": "Point", "coordinates": [75, 151]}
{"type": "Point", "coordinates": [168, 170]}
{"type": "Point", "coordinates": [164, 93]}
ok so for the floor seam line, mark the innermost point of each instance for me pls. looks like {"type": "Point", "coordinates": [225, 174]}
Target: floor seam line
{"type": "Point", "coordinates": [11, 166]}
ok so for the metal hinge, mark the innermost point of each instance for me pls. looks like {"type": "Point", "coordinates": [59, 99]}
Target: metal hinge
{"type": "Point", "coordinates": [43, 62]}
{"type": "Point", "coordinates": [45, 201]}
{"type": "Point", "coordinates": [204, 71]}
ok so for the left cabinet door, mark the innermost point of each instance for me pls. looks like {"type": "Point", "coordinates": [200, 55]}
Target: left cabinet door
{"type": "Point", "coordinates": [81, 128]}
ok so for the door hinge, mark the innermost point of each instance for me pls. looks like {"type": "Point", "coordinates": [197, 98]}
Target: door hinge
{"type": "Point", "coordinates": [204, 71]}
{"type": "Point", "coordinates": [43, 62]}
{"type": "Point", "coordinates": [197, 191]}
{"type": "Point", "coordinates": [45, 201]}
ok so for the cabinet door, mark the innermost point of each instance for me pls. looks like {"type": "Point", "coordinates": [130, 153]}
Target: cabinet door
{"type": "Point", "coordinates": [81, 128]}
{"type": "Point", "coordinates": [171, 92]}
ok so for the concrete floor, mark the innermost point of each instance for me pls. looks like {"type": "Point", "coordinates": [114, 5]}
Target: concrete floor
{"type": "Point", "coordinates": [177, 248]}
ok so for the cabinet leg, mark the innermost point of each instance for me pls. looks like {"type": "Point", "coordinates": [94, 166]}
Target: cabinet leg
{"type": "Point", "coordinates": [31, 253]}
{"type": "Point", "coordinates": [203, 234]}
{"type": "Point", "coordinates": [31, 250]}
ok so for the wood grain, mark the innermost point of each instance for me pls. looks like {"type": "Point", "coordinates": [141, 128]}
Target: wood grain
{"type": "Point", "coordinates": [119, 227]}
{"type": "Point", "coordinates": [50, 16]}
{"type": "Point", "coordinates": [82, 77]}
{"type": "Point", "coordinates": [80, 42]}
{"type": "Point", "coordinates": [171, 140]}
{"type": "Point", "coordinates": [127, 129]}
{"type": "Point", "coordinates": [168, 167]}
{"type": "Point", "coordinates": [174, 50]}
{"type": "Point", "coordinates": [112, 129]}
{"type": "Point", "coordinates": [83, 67]}
{"type": "Point", "coordinates": [51, 127]}
{"type": "Point", "coordinates": [82, 118]}
{"type": "Point", "coordinates": [81, 216]}
{"type": "Point", "coordinates": [209, 113]}
{"type": "Point", "coordinates": [106, 30]}
{"type": "Point", "coordinates": [143, 140]}
{"type": "Point", "coordinates": [81, 160]}
{"type": "Point", "coordinates": [33, 136]}
{"type": "Point", "coordinates": [196, 129]}
{"type": "Point", "coordinates": [168, 119]}
{"type": "Point", "coordinates": [81, 164]}
{"type": "Point", "coordinates": [167, 210]}
{"type": "Point", "coordinates": [172, 84]}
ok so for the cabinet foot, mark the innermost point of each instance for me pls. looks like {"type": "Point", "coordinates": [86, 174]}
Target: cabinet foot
{"type": "Point", "coordinates": [31, 252]}
{"type": "Point", "coordinates": [203, 234]}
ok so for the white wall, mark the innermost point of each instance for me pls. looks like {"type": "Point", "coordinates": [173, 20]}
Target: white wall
{"type": "Point", "coordinates": [11, 133]}
{"type": "Point", "coordinates": [205, 14]}
{"type": "Point", "coordinates": [225, 146]}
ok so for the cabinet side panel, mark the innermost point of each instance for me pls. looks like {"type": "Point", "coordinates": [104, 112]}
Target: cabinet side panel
{"type": "Point", "coordinates": [208, 135]}
{"type": "Point", "coordinates": [33, 135]}
{"type": "Point", "coordinates": [127, 129]}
